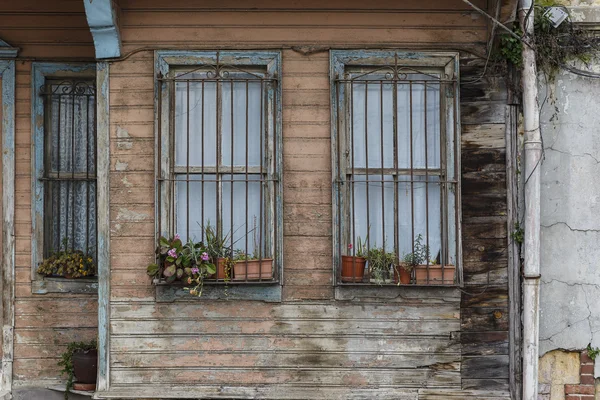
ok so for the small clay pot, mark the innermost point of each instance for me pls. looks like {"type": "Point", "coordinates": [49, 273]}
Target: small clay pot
{"type": "Point", "coordinates": [353, 269]}
{"type": "Point", "coordinates": [85, 365]}
{"type": "Point", "coordinates": [253, 270]}
{"type": "Point", "coordinates": [404, 275]}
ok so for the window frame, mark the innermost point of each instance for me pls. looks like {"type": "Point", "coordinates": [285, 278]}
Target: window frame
{"type": "Point", "coordinates": [166, 63]}
{"type": "Point", "coordinates": [343, 61]}
{"type": "Point", "coordinates": [40, 74]}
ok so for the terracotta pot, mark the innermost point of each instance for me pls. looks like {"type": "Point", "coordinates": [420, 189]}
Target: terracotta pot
{"type": "Point", "coordinates": [436, 276]}
{"type": "Point", "coordinates": [253, 270]}
{"type": "Point", "coordinates": [220, 275]}
{"type": "Point", "coordinates": [404, 275]}
{"type": "Point", "coordinates": [85, 366]}
{"type": "Point", "coordinates": [353, 268]}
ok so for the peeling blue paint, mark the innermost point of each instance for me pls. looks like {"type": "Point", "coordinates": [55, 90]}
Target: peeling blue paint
{"type": "Point", "coordinates": [103, 25]}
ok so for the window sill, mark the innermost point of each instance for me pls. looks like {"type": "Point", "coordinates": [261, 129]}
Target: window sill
{"type": "Point", "coordinates": [63, 285]}
{"type": "Point", "coordinates": [267, 291]}
{"type": "Point", "coordinates": [393, 292]}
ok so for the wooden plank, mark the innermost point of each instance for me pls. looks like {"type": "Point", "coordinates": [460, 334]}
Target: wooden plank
{"type": "Point", "coordinates": [270, 376]}
{"type": "Point", "coordinates": [265, 342]}
{"type": "Point", "coordinates": [484, 343]}
{"type": "Point", "coordinates": [485, 367]}
{"type": "Point", "coordinates": [437, 394]}
{"type": "Point", "coordinates": [484, 319]}
{"type": "Point", "coordinates": [278, 360]}
{"type": "Point", "coordinates": [483, 136]}
{"type": "Point", "coordinates": [486, 384]}
{"type": "Point", "coordinates": [291, 327]}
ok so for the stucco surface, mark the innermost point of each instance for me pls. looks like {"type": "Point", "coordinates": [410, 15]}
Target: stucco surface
{"type": "Point", "coordinates": [570, 206]}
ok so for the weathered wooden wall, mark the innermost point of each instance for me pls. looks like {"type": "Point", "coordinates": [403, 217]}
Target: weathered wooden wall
{"type": "Point", "coordinates": [309, 345]}
{"type": "Point", "coordinates": [44, 324]}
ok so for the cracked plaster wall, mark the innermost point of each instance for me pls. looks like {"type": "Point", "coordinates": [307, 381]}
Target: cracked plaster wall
{"type": "Point", "coordinates": [570, 214]}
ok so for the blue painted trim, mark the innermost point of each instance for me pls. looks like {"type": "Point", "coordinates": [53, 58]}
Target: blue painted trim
{"type": "Point", "coordinates": [7, 51]}
{"type": "Point", "coordinates": [39, 73]}
{"type": "Point", "coordinates": [101, 17]}
{"type": "Point", "coordinates": [7, 73]}
{"type": "Point", "coordinates": [272, 60]}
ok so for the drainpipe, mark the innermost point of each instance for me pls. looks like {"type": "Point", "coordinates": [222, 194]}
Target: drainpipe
{"type": "Point", "coordinates": [532, 155]}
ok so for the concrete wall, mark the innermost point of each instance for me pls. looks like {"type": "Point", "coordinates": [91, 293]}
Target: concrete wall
{"type": "Point", "coordinates": [570, 311]}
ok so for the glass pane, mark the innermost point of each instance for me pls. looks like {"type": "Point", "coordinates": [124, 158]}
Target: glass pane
{"type": "Point", "coordinates": [372, 106]}
{"type": "Point", "coordinates": [374, 221]}
{"type": "Point", "coordinates": [202, 210]}
{"type": "Point", "coordinates": [426, 218]}
{"type": "Point", "coordinates": [243, 221]}
{"type": "Point", "coordinates": [202, 119]}
{"type": "Point", "coordinates": [416, 102]}
{"type": "Point", "coordinates": [236, 122]}
{"type": "Point", "coordinates": [71, 216]}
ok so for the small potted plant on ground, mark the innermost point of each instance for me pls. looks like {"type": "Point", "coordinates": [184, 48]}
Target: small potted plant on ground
{"type": "Point", "coordinates": [353, 265]}
{"type": "Point", "coordinates": [68, 263]}
{"type": "Point", "coordinates": [189, 263]}
{"type": "Point", "coordinates": [80, 363]}
{"type": "Point", "coordinates": [380, 264]}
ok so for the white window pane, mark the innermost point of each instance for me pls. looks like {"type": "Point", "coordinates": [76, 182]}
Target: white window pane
{"type": "Point", "coordinates": [425, 201]}
{"type": "Point", "coordinates": [202, 203]}
{"type": "Point", "coordinates": [379, 125]}
{"type": "Point", "coordinates": [244, 223]}
{"type": "Point", "coordinates": [377, 219]}
{"type": "Point", "coordinates": [241, 146]}
{"type": "Point", "coordinates": [202, 123]}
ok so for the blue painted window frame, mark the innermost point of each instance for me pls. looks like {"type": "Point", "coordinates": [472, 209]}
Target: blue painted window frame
{"type": "Point", "coordinates": [339, 61]}
{"type": "Point", "coordinates": [165, 62]}
{"type": "Point", "coordinates": [40, 72]}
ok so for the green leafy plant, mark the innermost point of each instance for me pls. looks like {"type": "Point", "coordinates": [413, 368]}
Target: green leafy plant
{"type": "Point", "coordinates": [66, 361]}
{"type": "Point", "coordinates": [554, 47]}
{"type": "Point", "coordinates": [518, 235]}
{"type": "Point", "coordinates": [189, 262]}
{"type": "Point", "coordinates": [419, 255]}
{"type": "Point", "coordinates": [380, 262]}
{"type": "Point", "coordinates": [69, 263]}
{"type": "Point", "coordinates": [592, 352]}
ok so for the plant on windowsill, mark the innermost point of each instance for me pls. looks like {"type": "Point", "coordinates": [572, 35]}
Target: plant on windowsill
{"type": "Point", "coordinates": [252, 267]}
{"type": "Point", "coordinates": [68, 263]}
{"type": "Point", "coordinates": [427, 273]}
{"type": "Point", "coordinates": [353, 266]}
{"type": "Point", "coordinates": [219, 253]}
{"type": "Point", "coordinates": [80, 362]}
{"type": "Point", "coordinates": [380, 264]}
{"type": "Point", "coordinates": [188, 263]}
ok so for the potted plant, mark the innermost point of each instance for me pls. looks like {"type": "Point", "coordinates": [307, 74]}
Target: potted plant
{"type": "Point", "coordinates": [427, 271]}
{"type": "Point", "coordinates": [380, 264]}
{"type": "Point", "coordinates": [68, 263]}
{"type": "Point", "coordinates": [80, 362]}
{"type": "Point", "coordinates": [251, 267]}
{"type": "Point", "coordinates": [188, 263]}
{"type": "Point", "coordinates": [219, 253]}
{"type": "Point", "coordinates": [403, 271]}
{"type": "Point", "coordinates": [353, 266]}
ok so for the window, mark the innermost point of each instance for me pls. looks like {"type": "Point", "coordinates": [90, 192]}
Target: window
{"type": "Point", "coordinates": [396, 167]}
{"type": "Point", "coordinates": [220, 156]}
{"type": "Point", "coordinates": [64, 205]}
{"type": "Point", "coordinates": [70, 166]}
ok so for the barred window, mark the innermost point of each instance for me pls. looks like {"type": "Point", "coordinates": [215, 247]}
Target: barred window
{"type": "Point", "coordinates": [220, 159]}
{"type": "Point", "coordinates": [396, 168]}
{"type": "Point", "coordinates": [69, 178]}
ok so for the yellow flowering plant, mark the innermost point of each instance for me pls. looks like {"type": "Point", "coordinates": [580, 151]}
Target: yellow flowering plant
{"type": "Point", "coordinates": [68, 263]}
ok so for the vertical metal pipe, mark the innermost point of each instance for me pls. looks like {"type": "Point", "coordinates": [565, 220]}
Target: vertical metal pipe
{"type": "Point", "coordinates": [246, 170]}
{"type": "Point", "coordinates": [262, 175]}
{"type": "Point", "coordinates": [395, 145]}
{"type": "Point", "coordinates": [382, 164]}
{"type": "Point", "coordinates": [353, 180]}
{"type": "Point", "coordinates": [425, 110]}
{"type": "Point", "coordinates": [187, 163]}
{"type": "Point", "coordinates": [412, 177]}
{"type": "Point", "coordinates": [532, 155]}
{"type": "Point", "coordinates": [72, 184]}
{"type": "Point", "coordinates": [202, 161]}
{"type": "Point", "coordinates": [367, 171]}
{"type": "Point", "coordinates": [160, 181]}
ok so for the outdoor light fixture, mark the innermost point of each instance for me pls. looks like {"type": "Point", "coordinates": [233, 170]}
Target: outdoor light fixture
{"type": "Point", "coordinates": [556, 15]}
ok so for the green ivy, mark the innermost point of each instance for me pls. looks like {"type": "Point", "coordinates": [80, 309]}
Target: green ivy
{"type": "Point", "coordinates": [593, 352]}
{"type": "Point", "coordinates": [518, 234]}
{"type": "Point", "coordinates": [66, 361]}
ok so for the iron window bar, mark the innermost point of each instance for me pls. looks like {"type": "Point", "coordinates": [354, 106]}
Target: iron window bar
{"type": "Point", "coordinates": [70, 116]}
{"type": "Point", "coordinates": [224, 80]}
{"type": "Point", "coordinates": [396, 77]}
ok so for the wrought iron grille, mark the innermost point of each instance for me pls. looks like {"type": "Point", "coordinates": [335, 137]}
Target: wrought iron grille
{"type": "Point", "coordinates": [217, 176]}
{"type": "Point", "coordinates": [70, 166]}
{"type": "Point", "coordinates": [397, 182]}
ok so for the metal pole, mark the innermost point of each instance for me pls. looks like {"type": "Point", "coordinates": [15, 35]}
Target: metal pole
{"type": "Point", "coordinates": [532, 155]}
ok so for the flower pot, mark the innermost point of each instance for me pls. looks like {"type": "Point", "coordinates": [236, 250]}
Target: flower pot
{"type": "Point", "coordinates": [353, 268]}
{"type": "Point", "coordinates": [220, 275]}
{"type": "Point", "coordinates": [402, 275]}
{"type": "Point", "coordinates": [85, 366]}
{"type": "Point", "coordinates": [253, 270]}
{"type": "Point", "coordinates": [436, 275]}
